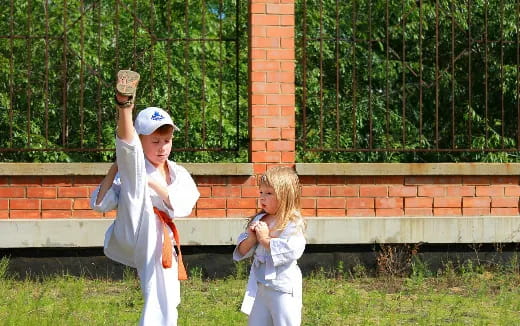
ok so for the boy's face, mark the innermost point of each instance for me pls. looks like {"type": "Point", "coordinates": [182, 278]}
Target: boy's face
{"type": "Point", "coordinates": [157, 147]}
{"type": "Point", "coordinates": [268, 200]}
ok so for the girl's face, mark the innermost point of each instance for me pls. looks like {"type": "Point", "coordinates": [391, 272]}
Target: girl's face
{"type": "Point", "coordinates": [268, 200]}
{"type": "Point", "coordinates": [157, 147]}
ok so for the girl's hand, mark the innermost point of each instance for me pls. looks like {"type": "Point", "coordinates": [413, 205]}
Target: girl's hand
{"type": "Point", "coordinates": [262, 230]}
{"type": "Point", "coordinates": [251, 230]}
{"type": "Point", "coordinates": [250, 241]}
{"type": "Point", "coordinates": [262, 234]}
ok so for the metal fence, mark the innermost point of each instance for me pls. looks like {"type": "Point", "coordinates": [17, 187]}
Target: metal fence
{"type": "Point", "coordinates": [408, 76]}
{"type": "Point", "coordinates": [58, 61]}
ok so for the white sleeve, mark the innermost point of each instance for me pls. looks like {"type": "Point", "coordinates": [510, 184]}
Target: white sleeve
{"type": "Point", "coordinates": [108, 203]}
{"type": "Point", "coordinates": [110, 200]}
{"type": "Point", "coordinates": [284, 250]}
{"type": "Point", "coordinates": [236, 254]}
{"type": "Point", "coordinates": [183, 193]}
{"type": "Point", "coordinates": [131, 167]}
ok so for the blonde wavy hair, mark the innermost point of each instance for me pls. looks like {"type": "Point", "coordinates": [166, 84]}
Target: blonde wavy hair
{"type": "Point", "coordinates": [287, 189]}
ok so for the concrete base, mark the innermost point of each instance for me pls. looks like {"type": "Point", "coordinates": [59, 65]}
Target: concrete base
{"type": "Point", "coordinates": [43, 247]}
{"type": "Point", "coordinates": [71, 233]}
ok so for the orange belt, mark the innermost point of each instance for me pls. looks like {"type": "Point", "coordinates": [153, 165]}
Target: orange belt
{"type": "Point", "coordinates": [167, 249]}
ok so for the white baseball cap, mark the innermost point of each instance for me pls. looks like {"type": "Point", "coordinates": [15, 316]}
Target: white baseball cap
{"type": "Point", "coordinates": [151, 118]}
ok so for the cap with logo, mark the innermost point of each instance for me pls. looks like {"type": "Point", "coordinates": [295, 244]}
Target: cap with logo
{"type": "Point", "coordinates": [151, 118]}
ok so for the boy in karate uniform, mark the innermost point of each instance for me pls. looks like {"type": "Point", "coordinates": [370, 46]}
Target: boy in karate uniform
{"type": "Point", "coordinates": [148, 190]}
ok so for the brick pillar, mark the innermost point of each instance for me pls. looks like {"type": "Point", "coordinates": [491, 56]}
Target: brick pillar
{"type": "Point", "coordinates": [272, 116]}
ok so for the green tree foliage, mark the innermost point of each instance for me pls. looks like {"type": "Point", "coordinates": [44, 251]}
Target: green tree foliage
{"type": "Point", "coordinates": [407, 81]}
{"type": "Point", "coordinates": [58, 61]}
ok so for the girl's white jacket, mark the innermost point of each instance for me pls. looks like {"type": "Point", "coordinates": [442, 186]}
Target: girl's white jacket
{"type": "Point", "coordinates": [276, 268]}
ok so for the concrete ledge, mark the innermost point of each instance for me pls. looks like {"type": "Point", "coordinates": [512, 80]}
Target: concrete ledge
{"type": "Point", "coordinates": [39, 169]}
{"type": "Point", "coordinates": [386, 169]}
{"type": "Point", "coordinates": [473, 229]}
{"type": "Point", "coordinates": [224, 231]}
{"type": "Point", "coordinates": [241, 169]}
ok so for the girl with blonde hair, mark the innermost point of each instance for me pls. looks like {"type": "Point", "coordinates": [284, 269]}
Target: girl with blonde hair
{"type": "Point", "coordinates": [275, 239]}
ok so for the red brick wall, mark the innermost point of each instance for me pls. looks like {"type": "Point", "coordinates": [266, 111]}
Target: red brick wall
{"type": "Point", "coordinates": [410, 195]}
{"type": "Point", "coordinates": [48, 197]}
{"type": "Point", "coordinates": [236, 196]}
{"type": "Point", "coordinates": [371, 196]}
{"type": "Point", "coordinates": [226, 196]}
{"type": "Point", "coordinates": [272, 118]}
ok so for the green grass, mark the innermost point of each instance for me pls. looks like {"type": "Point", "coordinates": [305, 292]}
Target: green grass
{"type": "Point", "coordinates": [467, 297]}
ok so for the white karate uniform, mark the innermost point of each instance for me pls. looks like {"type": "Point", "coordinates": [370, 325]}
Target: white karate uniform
{"type": "Point", "coordinates": [274, 289]}
{"type": "Point", "coordinates": [135, 237]}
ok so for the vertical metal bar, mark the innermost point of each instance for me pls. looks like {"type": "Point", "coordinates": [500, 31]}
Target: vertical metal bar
{"type": "Point", "coordinates": [99, 90]}
{"type": "Point", "coordinates": [221, 64]}
{"type": "Point", "coordinates": [186, 70]}
{"type": "Point", "coordinates": [152, 45]}
{"type": "Point", "coordinates": [203, 63]}
{"type": "Point", "coordinates": [403, 67]}
{"type": "Point", "coordinates": [370, 118]}
{"type": "Point", "coordinates": [354, 75]}
{"type": "Point", "coordinates": [421, 17]}
{"type": "Point", "coordinates": [486, 76]}
{"type": "Point", "coordinates": [437, 74]}
{"type": "Point", "coordinates": [321, 74]}
{"type": "Point", "coordinates": [336, 43]}
{"type": "Point", "coordinates": [116, 35]}
{"type": "Point", "coordinates": [387, 95]}
{"type": "Point", "coordinates": [237, 71]}
{"type": "Point", "coordinates": [134, 57]}
{"type": "Point", "coordinates": [65, 128]}
{"type": "Point", "coordinates": [81, 69]}
{"type": "Point", "coordinates": [29, 71]}
{"type": "Point", "coordinates": [169, 55]}
{"type": "Point", "coordinates": [502, 72]}
{"type": "Point", "coordinates": [11, 74]}
{"type": "Point", "coordinates": [452, 75]}
{"type": "Point", "coordinates": [304, 78]}
{"type": "Point", "coordinates": [46, 82]}
{"type": "Point", "coordinates": [470, 102]}
{"type": "Point", "coordinates": [518, 74]}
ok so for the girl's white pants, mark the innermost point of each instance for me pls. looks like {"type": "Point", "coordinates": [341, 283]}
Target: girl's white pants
{"type": "Point", "coordinates": [274, 308]}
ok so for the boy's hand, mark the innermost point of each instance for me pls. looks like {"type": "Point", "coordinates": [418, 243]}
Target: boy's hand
{"type": "Point", "coordinates": [124, 99]}
{"type": "Point", "coordinates": [160, 190]}
{"type": "Point", "coordinates": [153, 184]}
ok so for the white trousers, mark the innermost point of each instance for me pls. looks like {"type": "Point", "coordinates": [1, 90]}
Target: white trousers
{"type": "Point", "coordinates": [274, 308]}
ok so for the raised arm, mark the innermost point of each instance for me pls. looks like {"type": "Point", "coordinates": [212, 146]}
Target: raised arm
{"type": "Point", "coordinates": [125, 126]}
{"type": "Point", "coordinates": [106, 183]}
